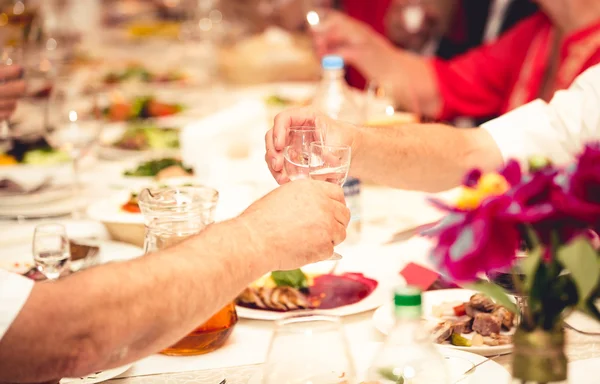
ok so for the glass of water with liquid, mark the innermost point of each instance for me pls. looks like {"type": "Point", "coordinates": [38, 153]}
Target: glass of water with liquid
{"type": "Point", "coordinates": [297, 151]}
{"type": "Point", "coordinates": [51, 250]}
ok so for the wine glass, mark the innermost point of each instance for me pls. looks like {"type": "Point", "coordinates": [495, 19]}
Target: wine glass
{"type": "Point", "coordinates": [511, 280]}
{"type": "Point", "coordinates": [297, 151]}
{"type": "Point", "coordinates": [380, 107]}
{"type": "Point", "coordinates": [51, 250]}
{"type": "Point", "coordinates": [316, 13]}
{"type": "Point", "coordinates": [308, 349]}
{"type": "Point", "coordinates": [74, 128]}
{"type": "Point", "coordinates": [329, 163]}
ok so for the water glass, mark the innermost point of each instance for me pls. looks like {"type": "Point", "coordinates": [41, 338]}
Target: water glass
{"type": "Point", "coordinates": [309, 349]}
{"type": "Point", "coordinates": [9, 56]}
{"type": "Point", "coordinates": [297, 151]}
{"type": "Point", "coordinates": [51, 250]}
{"type": "Point", "coordinates": [329, 163]}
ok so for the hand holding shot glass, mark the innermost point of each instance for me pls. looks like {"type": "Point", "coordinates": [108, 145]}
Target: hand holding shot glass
{"type": "Point", "coordinates": [307, 155]}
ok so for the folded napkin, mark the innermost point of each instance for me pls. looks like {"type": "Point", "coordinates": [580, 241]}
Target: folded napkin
{"type": "Point", "coordinates": [247, 345]}
{"type": "Point", "coordinates": [424, 278]}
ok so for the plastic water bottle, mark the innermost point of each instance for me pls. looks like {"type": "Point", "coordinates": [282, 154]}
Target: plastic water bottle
{"type": "Point", "coordinates": [335, 99]}
{"type": "Point", "coordinates": [408, 356]}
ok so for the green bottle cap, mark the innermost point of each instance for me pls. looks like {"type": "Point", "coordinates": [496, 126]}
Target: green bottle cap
{"type": "Point", "coordinates": [408, 296]}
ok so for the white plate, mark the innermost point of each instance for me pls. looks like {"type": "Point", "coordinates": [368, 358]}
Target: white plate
{"type": "Point", "coordinates": [17, 257]}
{"type": "Point", "coordinates": [488, 373]}
{"type": "Point", "coordinates": [384, 321]}
{"type": "Point", "coordinates": [351, 263]}
{"type": "Point", "coordinates": [46, 195]}
{"type": "Point", "coordinates": [98, 377]}
{"type": "Point", "coordinates": [61, 207]}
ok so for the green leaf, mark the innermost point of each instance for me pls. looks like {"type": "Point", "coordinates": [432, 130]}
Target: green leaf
{"type": "Point", "coordinates": [295, 279]}
{"type": "Point", "coordinates": [529, 266]}
{"type": "Point", "coordinates": [495, 292]}
{"type": "Point", "coordinates": [581, 260]}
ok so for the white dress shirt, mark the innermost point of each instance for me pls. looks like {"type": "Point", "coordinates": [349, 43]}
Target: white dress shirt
{"type": "Point", "coordinates": [558, 130]}
{"type": "Point", "coordinates": [14, 291]}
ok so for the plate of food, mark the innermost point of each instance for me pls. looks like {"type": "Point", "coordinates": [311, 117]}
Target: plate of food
{"type": "Point", "coordinates": [282, 293]}
{"type": "Point", "coordinates": [117, 142]}
{"type": "Point", "coordinates": [17, 257]}
{"type": "Point", "coordinates": [138, 73]}
{"type": "Point", "coordinates": [120, 109]}
{"type": "Point", "coordinates": [159, 169]}
{"type": "Point", "coordinates": [461, 319]}
{"type": "Point", "coordinates": [97, 377]}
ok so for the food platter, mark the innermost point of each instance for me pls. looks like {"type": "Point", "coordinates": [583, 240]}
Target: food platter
{"type": "Point", "coordinates": [383, 319]}
{"type": "Point", "coordinates": [335, 273]}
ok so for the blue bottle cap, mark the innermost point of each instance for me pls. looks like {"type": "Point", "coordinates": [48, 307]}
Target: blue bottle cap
{"type": "Point", "coordinates": [332, 62]}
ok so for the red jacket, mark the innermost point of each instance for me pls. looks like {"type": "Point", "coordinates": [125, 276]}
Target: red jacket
{"type": "Point", "coordinates": [498, 77]}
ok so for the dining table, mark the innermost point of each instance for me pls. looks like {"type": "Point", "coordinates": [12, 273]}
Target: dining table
{"type": "Point", "coordinates": [231, 117]}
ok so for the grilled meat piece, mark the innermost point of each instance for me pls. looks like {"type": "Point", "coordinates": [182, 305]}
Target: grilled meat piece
{"type": "Point", "coordinates": [443, 331]}
{"type": "Point", "coordinates": [280, 299]}
{"type": "Point", "coordinates": [469, 310]}
{"type": "Point", "coordinates": [486, 324]}
{"type": "Point", "coordinates": [506, 317]}
{"type": "Point", "coordinates": [463, 325]}
{"type": "Point", "coordinates": [495, 339]}
{"type": "Point", "coordinates": [482, 303]}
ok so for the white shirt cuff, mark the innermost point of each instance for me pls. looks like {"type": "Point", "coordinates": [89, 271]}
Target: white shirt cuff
{"type": "Point", "coordinates": [14, 292]}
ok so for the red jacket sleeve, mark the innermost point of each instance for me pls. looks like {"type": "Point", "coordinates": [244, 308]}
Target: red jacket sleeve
{"type": "Point", "coordinates": [478, 83]}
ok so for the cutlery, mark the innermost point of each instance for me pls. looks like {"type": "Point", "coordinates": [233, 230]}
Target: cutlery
{"type": "Point", "coordinates": [568, 326]}
{"type": "Point", "coordinates": [473, 368]}
{"type": "Point", "coordinates": [408, 233]}
{"type": "Point", "coordinates": [223, 382]}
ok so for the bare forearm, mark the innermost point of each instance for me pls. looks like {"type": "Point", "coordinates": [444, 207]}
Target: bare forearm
{"type": "Point", "coordinates": [431, 157]}
{"type": "Point", "coordinates": [116, 314]}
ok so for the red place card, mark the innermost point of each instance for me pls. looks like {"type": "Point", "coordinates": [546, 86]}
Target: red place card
{"type": "Point", "coordinates": [419, 276]}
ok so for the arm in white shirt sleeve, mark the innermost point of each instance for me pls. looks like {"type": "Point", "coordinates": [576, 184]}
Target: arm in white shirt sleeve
{"type": "Point", "coordinates": [558, 130]}
{"type": "Point", "coordinates": [14, 291]}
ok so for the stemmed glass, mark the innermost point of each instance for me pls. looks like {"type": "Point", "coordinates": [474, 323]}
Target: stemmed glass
{"type": "Point", "coordinates": [316, 12]}
{"type": "Point", "coordinates": [331, 164]}
{"type": "Point", "coordinates": [380, 107]}
{"type": "Point", "coordinates": [309, 349]}
{"type": "Point", "coordinates": [51, 250]}
{"type": "Point", "coordinates": [74, 128]}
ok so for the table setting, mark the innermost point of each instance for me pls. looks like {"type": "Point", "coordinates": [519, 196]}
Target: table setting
{"type": "Point", "coordinates": [89, 169]}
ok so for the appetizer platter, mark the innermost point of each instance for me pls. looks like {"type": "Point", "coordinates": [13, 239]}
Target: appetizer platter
{"type": "Point", "coordinates": [121, 109]}
{"type": "Point", "coordinates": [138, 73]}
{"type": "Point", "coordinates": [461, 319]}
{"type": "Point", "coordinates": [279, 293]}
{"type": "Point", "coordinates": [160, 169]}
{"type": "Point", "coordinates": [32, 152]}
{"type": "Point", "coordinates": [117, 142]}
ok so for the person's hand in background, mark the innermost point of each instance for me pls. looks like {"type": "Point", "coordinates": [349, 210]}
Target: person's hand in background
{"type": "Point", "coordinates": [12, 88]}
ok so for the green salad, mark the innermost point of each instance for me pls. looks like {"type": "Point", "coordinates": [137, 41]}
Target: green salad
{"type": "Point", "coordinates": [142, 138]}
{"type": "Point", "coordinates": [153, 167]}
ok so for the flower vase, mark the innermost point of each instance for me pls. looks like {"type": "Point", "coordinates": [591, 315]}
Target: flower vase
{"type": "Point", "coordinates": [539, 357]}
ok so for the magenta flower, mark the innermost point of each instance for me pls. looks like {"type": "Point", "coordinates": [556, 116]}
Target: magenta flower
{"type": "Point", "coordinates": [478, 241]}
{"type": "Point", "coordinates": [579, 195]}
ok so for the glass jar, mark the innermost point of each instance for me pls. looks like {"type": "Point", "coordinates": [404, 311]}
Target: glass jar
{"type": "Point", "coordinates": [172, 215]}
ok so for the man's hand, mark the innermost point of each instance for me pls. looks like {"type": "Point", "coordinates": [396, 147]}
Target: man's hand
{"type": "Point", "coordinates": [332, 131]}
{"type": "Point", "coordinates": [298, 223]}
{"type": "Point", "coordinates": [372, 54]}
{"type": "Point", "coordinates": [12, 87]}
